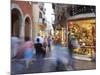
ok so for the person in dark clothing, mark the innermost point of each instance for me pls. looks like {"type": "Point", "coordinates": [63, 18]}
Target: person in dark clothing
{"type": "Point", "coordinates": [49, 43]}
{"type": "Point", "coordinates": [70, 47]}
{"type": "Point", "coordinates": [39, 49]}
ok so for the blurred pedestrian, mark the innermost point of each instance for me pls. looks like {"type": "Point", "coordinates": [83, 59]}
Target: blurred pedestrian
{"type": "Point", "coordinates": [40, 39]}
{"type": "Point", "coordinates": [14, 46]}
{"type": "Point", "coordinates": [28, 51]}
{"type": "Point", "coordinates": [94, 55]}
{"type": "Point", "coordinates": [59, 57]}
{"type": "Point", "coordinates": [71, 47]}
{"type": "Point", "coordinates": [49, 40]}
{"type": "Point", "coordinates": [19, 54]}
{"type": "Point", "coordinates": [45, 43]}
{"type": "Point", "coordinates": [40, 52]}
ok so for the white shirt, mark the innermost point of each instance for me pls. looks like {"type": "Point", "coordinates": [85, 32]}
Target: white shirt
{"type": "Point", "coordinates": [14, 42]}
{"type": "Point", "coordinates": [41, 39]}
{"type": "Point", "coordinates": [14, 46]}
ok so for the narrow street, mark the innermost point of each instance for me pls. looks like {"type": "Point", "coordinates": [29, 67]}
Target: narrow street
{"type": "Point", "coordinates": [54, 61]}
{"type": "Point", "coordinates": [40, 24]}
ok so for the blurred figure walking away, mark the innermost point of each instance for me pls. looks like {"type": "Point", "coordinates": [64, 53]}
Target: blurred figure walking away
{"type": "Point", "coordinates": [28, 51]}
{"type": "Point", "coordinates": [40, 39]}
{"type": "Point", "coordinates": [72, 44]}
{"type": "Point", "coordinates": [49, 40]}
{"type": "Point", "coordinates": [14, 46]}
{"type": "Point", "coordinates": [58, 59]}
{"type": "Point", "coordinates": [38, 44]}
{"type": "Point", "coordinates": [45, 44]}
{"type": "Point", "coordinates": [40, 51]}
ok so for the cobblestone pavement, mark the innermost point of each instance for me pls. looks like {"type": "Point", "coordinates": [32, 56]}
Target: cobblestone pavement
{"type": "Point", "coordinates": [55, 61]}
{"type": "Point", "coordinates": [84, 65]}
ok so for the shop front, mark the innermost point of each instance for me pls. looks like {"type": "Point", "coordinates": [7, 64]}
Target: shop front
{"type": "Point", "coordinates": [60, 36]}
{"type": "Point", "coordinates": [57, 36]}
{"type": "Point", "coordinates": [42, 28]}
{"type": "Point", "coordinates": [84, 30]}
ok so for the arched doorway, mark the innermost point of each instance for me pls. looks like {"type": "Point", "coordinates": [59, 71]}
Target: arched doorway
{"type": "Point", "coordinates": [27, 27]}
{"type": "Point", "coordinates": [16, 19]}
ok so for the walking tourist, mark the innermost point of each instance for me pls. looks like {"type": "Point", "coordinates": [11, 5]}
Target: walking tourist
{"type": "Point", "coordinates": [49, 40]}
{"type": "Point", "coordinates": [45, 43]}
{"type": "Point", "coordinates": [40, 52]}
{"type": "Point", "coordinates": [14, 46]}
{"type": "Point", "coordinates": [28, 52]}
{"type": "Point", "coordinates": [72, 44]}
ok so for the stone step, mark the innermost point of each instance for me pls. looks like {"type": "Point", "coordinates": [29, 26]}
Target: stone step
{"type": "Point", "coordinates": [82, 57]}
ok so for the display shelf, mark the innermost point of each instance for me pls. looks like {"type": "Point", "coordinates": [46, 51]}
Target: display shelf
{"type": "Point", "coordinates": [85, 33]}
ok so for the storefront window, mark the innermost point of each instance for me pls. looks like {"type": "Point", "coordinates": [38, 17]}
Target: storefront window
{"type": "Point", "coordinates": [84, 32]}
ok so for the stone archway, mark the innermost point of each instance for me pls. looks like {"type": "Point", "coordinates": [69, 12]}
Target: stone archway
{"type": "Point", "coordinates": [15, 8]}
{"type": "Point", "coordinates": [27, 27]}
{"type": "Point", "coordinates": [15, 22]}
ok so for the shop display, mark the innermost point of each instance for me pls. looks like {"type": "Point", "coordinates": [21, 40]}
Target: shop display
{"type": "Point", "coordinates": [85, 34]}
{"type": "Point", "coordinates": [60, 36]}
{"type": "Point", "coordinates": [57, 36]}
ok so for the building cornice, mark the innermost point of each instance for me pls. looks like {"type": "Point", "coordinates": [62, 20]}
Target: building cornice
{"type": "Point", "coordinates": [82, 16]}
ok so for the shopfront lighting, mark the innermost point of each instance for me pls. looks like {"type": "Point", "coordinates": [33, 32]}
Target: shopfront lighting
{"type": "Point", "coordinates": [70, 23]}
{"type": "Point", "coordinates": [80, 40]}
{"type": "Point", "coordinates": [72, 33]}
{"type": "Point", "coordinates": [83, 44]}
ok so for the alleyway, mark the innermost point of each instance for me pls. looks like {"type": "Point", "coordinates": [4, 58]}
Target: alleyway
{"type": "Point", "coordinates": [56, 60]}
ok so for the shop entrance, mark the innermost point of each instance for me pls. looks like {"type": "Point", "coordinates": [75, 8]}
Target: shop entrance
{"type": "Point", "coordinates": [84, 32]}
{"type": "Point", "coordinates": [15, 22]}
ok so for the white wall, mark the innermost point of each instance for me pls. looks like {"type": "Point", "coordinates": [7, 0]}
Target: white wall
{"type": "Point", "coordinates": [35, 19]}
